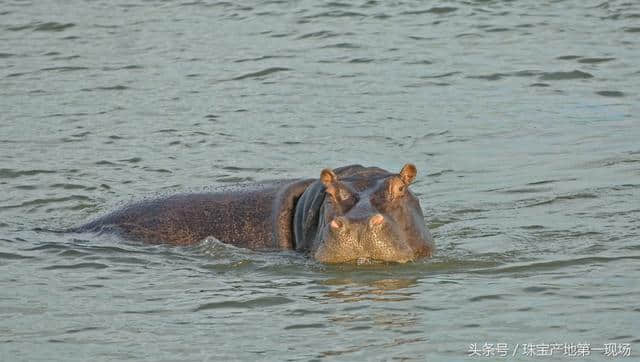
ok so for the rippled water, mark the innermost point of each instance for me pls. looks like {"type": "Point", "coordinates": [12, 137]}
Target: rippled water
{"type": "Point", "coordinates": [521, 117]}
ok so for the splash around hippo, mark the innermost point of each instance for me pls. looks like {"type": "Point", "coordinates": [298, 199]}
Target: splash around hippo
{"type": "Point", "coordinates": [348, 214]}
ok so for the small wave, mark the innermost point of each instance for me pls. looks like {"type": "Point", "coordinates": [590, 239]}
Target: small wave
{"type": "Point", "coordinates": [494, 76]}
{"type": "Point", "coordinates": [440, 10]}
{"type": "Point", "coordinates": [49, 247]}
{"type": "Point", "coordinates": [67, 186]}
{"type": "Point", "coordinates": [469, 35]}
{"type": "Point", "coordinates": [427, 84]}
{"type": "Point", "coordinates": [524, 190]}
{"type": "Point", "coordinates": [420, 62]}
{"type": "Point", "coordinates": [583, 195]}
{"type": "Point", "coordinates": [18, 74]}
{"type": "Point", "coordinates": [48, 26]}
{"type": "Point", "coordinates": [63, 69]}
{"type": "Point", "coordinates": [19, 27]}
{"type": "Point", "coordinates": [53, 26]}
{"type": "Point", "coordinates": [436, 76]}
{"type": "Point", "coordinates": [486, 297]}
{"type": "Point", "coordinates": [84, 329]}
{"type": "Point", "coordinates": [9, 173]}
{"type": "Point", "coordinates": [595, 60]}
{"type": "Point", "coordinates": [568, 57]}
{"type": "Point", "coordinates": [497, 30]}
{"type": "Point", "coordinates": [575, 74]}
{"type": "Point", "coordinates": [12, 256]}
{"type": "Point", "coordinates": [261, 73]}
{"type": "Point", "coordinates": [41, 202]}
{"type": "Point", "coordinates": [616, 94]}
{"type": "Point", "coordinates": [131, 160]}
{"type": "Point", "coordinates": [257, 59]}
{"type": "Point", "coordinates": [361, 60]}
{"type": "Point", "coordinates": [544, 182]}
{"type": "Point", "coordinates": [260, 302]}
{"type": "Point", "coordinates": [322, 34]}
{"type": "Point", "coordinates": [498, 76]}
{"type": "Point", "coordinates": [213, 247]}
{"type": "Point", "coordinates": [105, 163]}
{"type": "Point", "coordinates": [538, 289]}
{"type": "Point", "coordinates": [552, 265]}
{"type": "Point", "coordinates": [342, 46]}
{"type": "Point", "coordinates": [126, 67]}
{"type": "Point", "coordinates": [106, 88]}
{"type": "Point", "coordinates": [336, 4]}
{"type": "Point", "coordinates": [77, 266]}
{"type": "Point", "coordinates": [336, 14]}
{"type": "Point", "coordinates": [305, 326]}
{"type": "Point", "coordinates": [72, 253]}
{"type": "Point", "coordinates": [420, 38]}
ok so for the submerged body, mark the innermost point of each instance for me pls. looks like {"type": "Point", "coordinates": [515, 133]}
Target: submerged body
{"type": "Point", "coordinates": [348, 214]}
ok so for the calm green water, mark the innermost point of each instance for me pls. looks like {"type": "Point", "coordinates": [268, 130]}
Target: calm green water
{"type": "Point", "coordinates": [521, 116]}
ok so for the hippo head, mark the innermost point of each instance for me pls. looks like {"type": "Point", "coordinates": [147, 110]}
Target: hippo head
{"type": "Point", "coordinates": [358, 213]}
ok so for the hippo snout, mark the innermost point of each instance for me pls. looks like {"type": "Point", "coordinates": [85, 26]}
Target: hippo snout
{"type": "Point", "coordinates": [368, 224]}
{"type": "Point", "coordinates": [368, 238]}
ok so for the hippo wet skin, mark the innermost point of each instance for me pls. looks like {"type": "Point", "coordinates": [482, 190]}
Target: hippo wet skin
{"type": "Point", "coordinates": [348, 214]}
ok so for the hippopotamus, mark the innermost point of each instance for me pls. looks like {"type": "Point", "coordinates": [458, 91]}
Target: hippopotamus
{"type": "Point", "coordinates": [349, 214]}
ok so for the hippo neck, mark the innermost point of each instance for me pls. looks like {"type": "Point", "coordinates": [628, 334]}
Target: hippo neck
{"type": "Point", "coordinates": [306, 216]}
{"type": "Point", "coordinates": [285, 205]}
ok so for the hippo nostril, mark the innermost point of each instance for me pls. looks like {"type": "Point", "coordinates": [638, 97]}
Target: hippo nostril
{"type": "Point", "coordinates": [336, 224]}
{"type": "Point", "coordinates": [376, 220]}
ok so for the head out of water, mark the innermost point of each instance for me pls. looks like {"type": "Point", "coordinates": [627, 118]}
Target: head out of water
{"type": "Point", "coordinates": [363, 214]}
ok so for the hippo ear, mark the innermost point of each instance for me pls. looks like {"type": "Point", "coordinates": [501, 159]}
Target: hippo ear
{"type": "Point", "coordinates": [328, 177]}
{"type": "Point", "coordinates": [408, 173]}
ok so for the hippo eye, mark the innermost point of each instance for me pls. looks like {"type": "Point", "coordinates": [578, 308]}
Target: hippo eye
{"type": "Point", "coordinates": [396, 190]}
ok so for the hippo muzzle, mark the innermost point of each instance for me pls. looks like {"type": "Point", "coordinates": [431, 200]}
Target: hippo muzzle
{"type": "Point", "coordinates": [373, 239]}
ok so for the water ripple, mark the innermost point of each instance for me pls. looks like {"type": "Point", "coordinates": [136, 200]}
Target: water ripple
{"type": "Point", "coordinates": [575, 74]}
{"type": "Point", "coordinates": [42, 202]}
{"type": "Point", "coordinates": [118, 87]}
{"type": "Point", "coordinates": [553, 265]}
{"type": "Point", "coordinates": [616, 94]}
{"type": "Point", "coordinates": [10, 173]}
{"type": "Point", "coordinates": [261, 73]}
{"type": "Point", "coordinates": [78, 266]}
{"type": "Point", "coordinates": [63, 69]}
{"type": "Point", "coordinates": [441, 10]}
{"type": "Point", "coordinates": [260, 302]}
{"type": "Point", "coordinates": [322, 34]}
{"type": "Point", "coordinates": [336, 14]}
{"type": "Point", "coordinates": [14, 256]}
{"type": "Point", "coordinates": [595, 60]}
{"type": "Point", "coordinates": [487, 297]}
{"type": "Point", "coordinates": [53, 26]}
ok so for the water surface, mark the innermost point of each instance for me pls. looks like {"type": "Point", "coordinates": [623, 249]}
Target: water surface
{"type": "Point", "coordinates": [520, 116]}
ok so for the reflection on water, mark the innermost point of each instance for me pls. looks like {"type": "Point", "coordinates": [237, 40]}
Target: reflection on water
{"type": "Point", "coordinates": [383, 290]}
